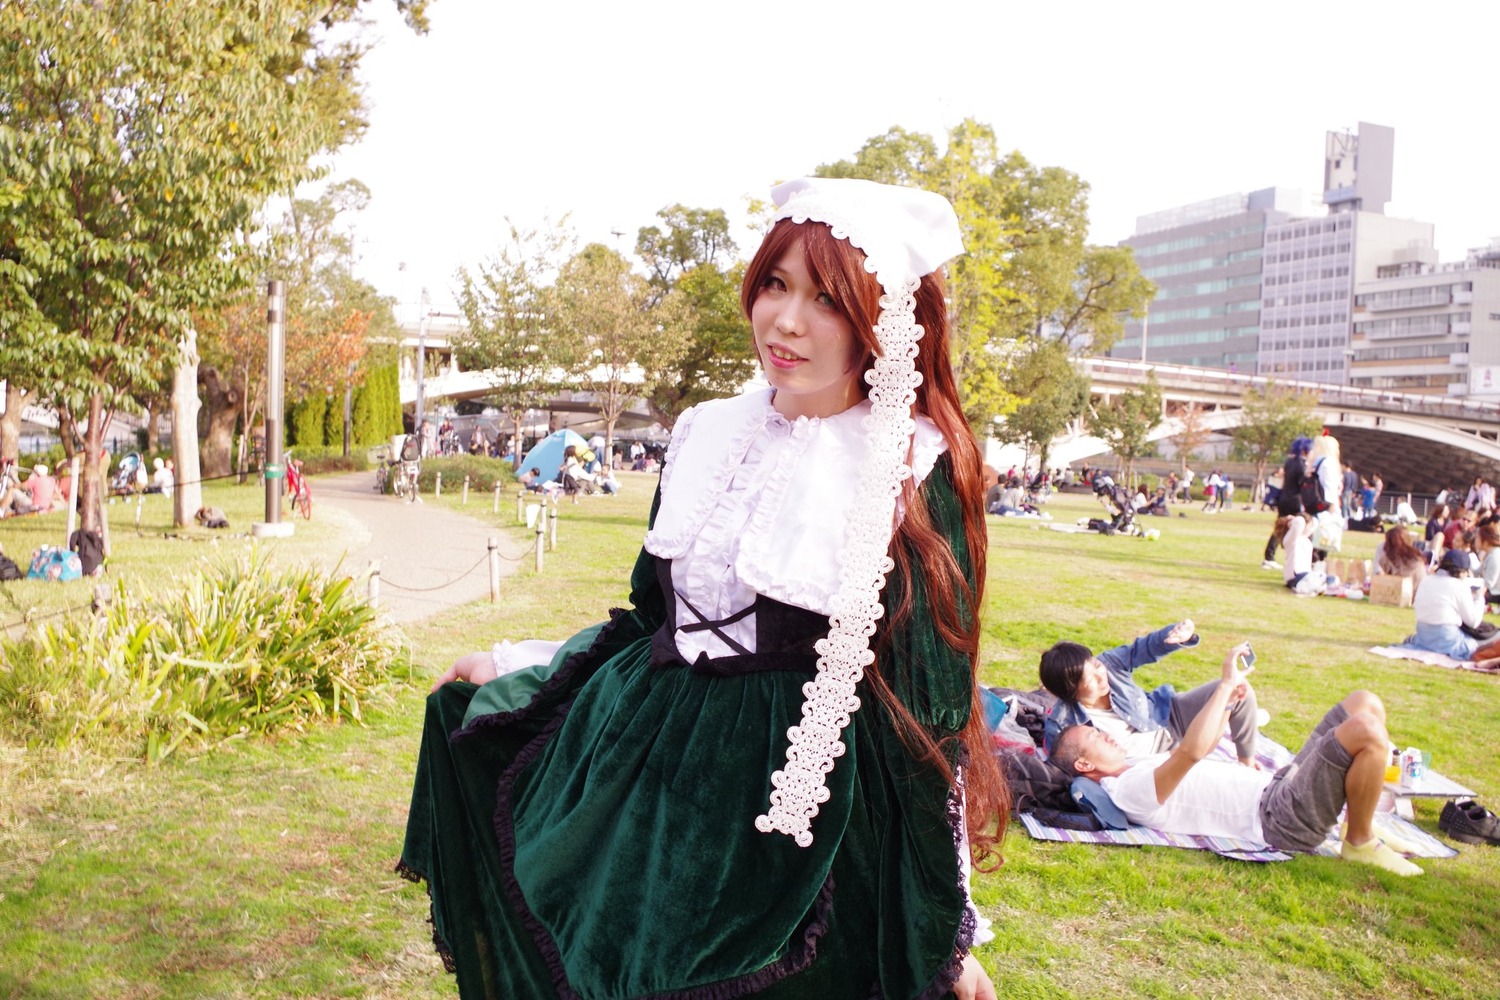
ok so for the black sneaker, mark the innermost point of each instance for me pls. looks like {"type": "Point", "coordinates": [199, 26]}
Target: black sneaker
{"type": "Point", "coordinates": [1470, 823]}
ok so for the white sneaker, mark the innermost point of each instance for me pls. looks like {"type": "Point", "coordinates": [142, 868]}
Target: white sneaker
{"type": "Point", "coordinates": [1270, 564]}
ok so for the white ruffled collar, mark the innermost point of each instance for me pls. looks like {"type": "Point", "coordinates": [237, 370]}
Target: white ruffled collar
{"type": "Point", "coordinates": [790, 546]}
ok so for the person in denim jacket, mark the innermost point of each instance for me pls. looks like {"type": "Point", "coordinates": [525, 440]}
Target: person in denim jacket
{"type": "Point", "coordinates": [1101, 691]}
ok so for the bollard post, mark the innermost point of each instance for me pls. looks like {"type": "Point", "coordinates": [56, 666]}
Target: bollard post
{"type": "Point", "coordinates": [438, 490]}
{"type": "Point", "coordinates": [103, 597]}
{"type": "Point", "coordinates": [520, 505]}
{"type": "Point", "coordinates": [465, 501]}
{"type": "Point", "coordinates": [494, 570]}
{"type": "Point", "coordinates": [552, 528]}
{"type": "Point", "coordinates": [541, 533]}
{"type": "Point", "coordinates": [497, 498]}
{"type": "Point", "coordinates": [140, 501]}
{"type": "Point", "coordinates": [373, 583]}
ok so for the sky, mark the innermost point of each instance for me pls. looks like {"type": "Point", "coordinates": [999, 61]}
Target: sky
{"type": "Point", "coordinates": [610, 112]}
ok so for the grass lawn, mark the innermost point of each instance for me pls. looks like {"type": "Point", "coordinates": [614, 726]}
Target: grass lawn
{"type": "Point", "coordinates": [265, 871]}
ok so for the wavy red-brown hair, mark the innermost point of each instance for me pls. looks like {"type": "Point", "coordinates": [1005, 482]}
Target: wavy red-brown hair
{"type": "Point", "coordinates": [838, 268]}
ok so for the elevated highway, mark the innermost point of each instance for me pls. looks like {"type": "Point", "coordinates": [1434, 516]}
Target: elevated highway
{"type": "Point", "coordinates": [1417, 443]}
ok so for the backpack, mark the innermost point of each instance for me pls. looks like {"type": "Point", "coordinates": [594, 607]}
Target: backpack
{"type": "Point", "coordinates": [8, 568]}
{"type": "Point", "coordinates": [1312, 492]}
{"type": "Point", "coordinates": [1035, 783]}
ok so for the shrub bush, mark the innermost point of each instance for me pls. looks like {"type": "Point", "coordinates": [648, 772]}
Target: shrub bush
{"type": "Point", "coordinates": [331, 458]}
{"type": "Point", "coordinates": [238, 649]}
{"type": "Point", "coordinates": [483, 473]}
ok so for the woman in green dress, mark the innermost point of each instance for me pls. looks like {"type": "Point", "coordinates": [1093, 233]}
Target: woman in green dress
{"type": "Point", "coordinates": [767, 776]}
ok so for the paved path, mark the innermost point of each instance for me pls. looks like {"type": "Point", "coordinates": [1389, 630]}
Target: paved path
{"type": "Point", "coordinates": [431, 558]}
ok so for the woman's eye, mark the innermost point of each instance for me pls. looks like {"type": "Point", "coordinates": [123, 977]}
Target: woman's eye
{"type": "Point", "coordinates": [827, 300]}
{"type": "Point", "coordinates": [773, 282]}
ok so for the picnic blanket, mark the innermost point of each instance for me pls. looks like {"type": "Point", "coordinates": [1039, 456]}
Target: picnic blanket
{"type": "Point", "coordinates": [1429, 657]}
{"type": "Point", "coordinates": [1271, 756]}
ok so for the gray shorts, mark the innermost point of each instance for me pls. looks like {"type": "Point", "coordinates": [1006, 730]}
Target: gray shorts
{"type": "Point", "coordinates": [1303, 801]}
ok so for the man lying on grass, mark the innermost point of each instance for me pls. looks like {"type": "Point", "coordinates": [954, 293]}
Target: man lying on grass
{"type": "Point", "coordinates": [1343, 761]}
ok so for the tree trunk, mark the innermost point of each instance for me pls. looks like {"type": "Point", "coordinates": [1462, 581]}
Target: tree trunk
{"type": "Point", "coordinates": [187, 497]}
{"type": "Point", "coordinates": [68, 431]}
{"type": "Point", "coordinates": [222, 401]}
{"type": "Point", "coordinates": [91, 491]}
{"type": "Point", "coordinates": [10, 423]}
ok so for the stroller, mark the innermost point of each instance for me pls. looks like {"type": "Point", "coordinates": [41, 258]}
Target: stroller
{"type": "Point", "coordinates": [130, 477]}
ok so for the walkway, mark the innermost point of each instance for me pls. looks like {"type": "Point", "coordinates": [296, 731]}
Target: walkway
{"type": "Point", "coordinates": [431, 558]}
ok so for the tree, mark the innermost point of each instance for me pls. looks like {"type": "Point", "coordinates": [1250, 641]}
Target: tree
{"type": "Point", "coordinates": [331, 316]}
{"type": "Point", "coordinates": [1270, 418]}
{"type": "Point", "coordinates": [1193, 435]}
{"type": "Point", "coordinates": [1028, 270]}
{"type": "Point", "coordinates": [686, 260]}
{"type": "Point", "coordinates": [138, 140]}
{"type": "Point", "coordinates": [1052, 393]}
{"type": "Point", "coordinates": [510, 312]}
{"type": "Point", "coordinates": [1126, 422]}
{"type": "Point", "coordinates": [610, 335]}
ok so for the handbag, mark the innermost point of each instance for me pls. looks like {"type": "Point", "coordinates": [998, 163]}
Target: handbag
{"type": "Point", "coordinates": [51, 563]}
{"type": "Point", "coordinates": [1484, 630]}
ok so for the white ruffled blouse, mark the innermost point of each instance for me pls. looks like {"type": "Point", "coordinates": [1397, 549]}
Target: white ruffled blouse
{"type": "Point", "coordinates": [754, 503]}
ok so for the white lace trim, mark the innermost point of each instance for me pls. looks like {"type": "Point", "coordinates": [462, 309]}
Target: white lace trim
{"type": "Point", "coordinates": [817, 742]}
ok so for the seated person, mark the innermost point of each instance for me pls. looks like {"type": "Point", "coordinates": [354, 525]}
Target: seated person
{"type": "Point", "coordinates": [1011, 500]}
{"type": "Point", "coordinates": [40, 488]}
{"type": "Point", "coordinates": [1404, 512]}
{"type": "Point", "coordinates": [1157, 505]}
{"type": "Point", "coordinates": [1397, 556]}
{"type": "Point", "coordinates": [531, 479]}
{"type": "Point", "coordinates": [1447, 601]}
{"type": "Point", "coordinates": [1299, 570]}
{"type": "Point", "coordinates": [1487, 546]}
{"type": "Point", "coordinates": [13, 499]}
{"type": "Point", "coordinates": [1101, 691]}
{"type": "Point", "coordinates": [1341, 764]}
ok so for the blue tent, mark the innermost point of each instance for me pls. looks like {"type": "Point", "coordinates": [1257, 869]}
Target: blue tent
{"type": "Point", "coordinates": [547, 454]}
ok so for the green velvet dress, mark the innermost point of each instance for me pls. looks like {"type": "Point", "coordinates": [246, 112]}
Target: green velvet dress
{"type": "Point", "coordinates": [586, 828]}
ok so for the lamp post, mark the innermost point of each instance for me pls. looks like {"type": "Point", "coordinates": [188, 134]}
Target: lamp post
{"type": "Point", "coordinates": [421, 362]}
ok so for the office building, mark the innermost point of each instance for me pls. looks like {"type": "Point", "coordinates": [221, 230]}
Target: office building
{"type": "Point", "coordinates": [1205, 259]}
{"type": "Point", "coordinates": [1431, 328]}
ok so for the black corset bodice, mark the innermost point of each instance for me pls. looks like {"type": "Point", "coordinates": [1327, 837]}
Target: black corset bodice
{"type": "Point", "coordinates": [784, 636]}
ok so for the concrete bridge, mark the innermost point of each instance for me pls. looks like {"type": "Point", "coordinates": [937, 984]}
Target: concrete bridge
{"type": "Point", "coordinates": [1417, 443]}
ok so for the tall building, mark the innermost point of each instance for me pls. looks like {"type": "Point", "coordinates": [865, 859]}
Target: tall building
{"type": "Point", "coordinates": [1425, 327]}
{"type": "Point", "coordinates": [1312, 265]}
{"type": "Point", "coordinates": [1205, 259]}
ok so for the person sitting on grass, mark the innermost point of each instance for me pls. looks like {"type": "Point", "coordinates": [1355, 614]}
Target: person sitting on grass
{"type": "Point", "coordinates": [1101, 691]}
{"type": "Point", "coordinates": [1341, 765]}
{"type": "Point", "coordinates": [1397, 556]}
{"type": "Point", "coordinates": [1443, 605]}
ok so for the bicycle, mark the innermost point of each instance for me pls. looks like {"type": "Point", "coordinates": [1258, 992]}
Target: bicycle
{"type": "Point", "coordinates": [298, 489]}
{"type": "Point", "coordinates": [406, 482]}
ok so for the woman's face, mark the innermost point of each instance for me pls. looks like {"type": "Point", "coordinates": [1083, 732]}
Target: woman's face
{"type": "Point", "coordinates": [1093, 686]}
{"type": "Point", "coordinates": [806, 346]}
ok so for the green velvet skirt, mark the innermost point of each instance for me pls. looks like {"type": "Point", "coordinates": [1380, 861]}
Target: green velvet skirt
{"type": "Point", "coordinates": [586, 829]}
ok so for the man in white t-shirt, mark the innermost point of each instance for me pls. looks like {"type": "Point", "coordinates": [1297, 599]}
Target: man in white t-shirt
{"type": "Point", "coordinates": [1342, 763]}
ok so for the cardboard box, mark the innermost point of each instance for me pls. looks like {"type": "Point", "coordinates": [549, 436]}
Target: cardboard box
{"type": "Point", "coordinates": [1394, 591]}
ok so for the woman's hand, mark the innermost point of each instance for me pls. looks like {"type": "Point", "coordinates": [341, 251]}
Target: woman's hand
{"type": "Point", "coordinates": [476, 668]}
{"type": "Point", "coordinates": [973, 982]}
{"type": "Point", "coordinates": [1181, 632]}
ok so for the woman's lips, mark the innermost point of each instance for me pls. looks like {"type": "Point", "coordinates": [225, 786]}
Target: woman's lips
{"type": "Point", "coordinates": [783, 358]}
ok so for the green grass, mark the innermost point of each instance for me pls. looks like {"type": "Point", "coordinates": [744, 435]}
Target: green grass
{"type": "Point", "coordinates": [265, 871]}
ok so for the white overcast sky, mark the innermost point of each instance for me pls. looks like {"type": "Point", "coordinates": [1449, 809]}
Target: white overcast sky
{"type": "Point", "coordinates": [610, 111]}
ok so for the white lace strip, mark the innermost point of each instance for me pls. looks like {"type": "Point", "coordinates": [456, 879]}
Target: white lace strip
{"type": "Point", "coordinates": [801, 787]}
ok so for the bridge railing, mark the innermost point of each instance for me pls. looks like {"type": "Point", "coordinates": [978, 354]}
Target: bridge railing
{"type": "Point", "coordinates": [1328, 393]}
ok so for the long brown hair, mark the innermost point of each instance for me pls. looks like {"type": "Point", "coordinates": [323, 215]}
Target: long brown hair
{"type": "Point", "coordinates": [1399, 551]}
{"type": "Point", "coordinates": [838, 268]}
